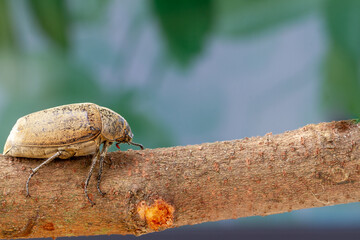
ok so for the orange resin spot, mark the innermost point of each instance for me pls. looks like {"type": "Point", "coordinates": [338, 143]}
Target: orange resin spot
{"type": "Point", "coordinates": [158, 215]}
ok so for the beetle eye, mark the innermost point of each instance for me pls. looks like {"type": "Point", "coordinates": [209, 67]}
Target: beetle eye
{"type": "Point", "coordinates": [117, 145]}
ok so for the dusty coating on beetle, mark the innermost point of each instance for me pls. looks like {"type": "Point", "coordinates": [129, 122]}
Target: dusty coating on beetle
{"type": "Point", "coordinates": [58, 126]}
{"type": "Point", "coordinates": [43, 133]}
{"type": "Point", "coordinates": [159, 215]}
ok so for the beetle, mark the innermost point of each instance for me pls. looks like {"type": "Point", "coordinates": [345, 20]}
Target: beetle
{"type": "Point", "coordinates": [67, 131]}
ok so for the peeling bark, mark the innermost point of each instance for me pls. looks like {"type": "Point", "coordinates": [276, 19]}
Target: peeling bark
{"type": "Point", "coordinates": [154, 189]}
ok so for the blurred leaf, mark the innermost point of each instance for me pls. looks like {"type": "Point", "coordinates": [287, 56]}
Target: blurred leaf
{"type": "Point", "coordinates": [242, 17]}
{"type": "Point", "coordinates": [343, 21]}
{"type": "Point", "coordinates": [52, 17]}
{"type": "Point", "coordinates": [92, 11]}
{"type": "Point", "coordinates": [6, 30]}
{"type": "Point", "coordinates": [341, 86]}
{"type": "Point", "coordinates": [41, 81]}
{"type": "Point", "coordinates": [186, 25]}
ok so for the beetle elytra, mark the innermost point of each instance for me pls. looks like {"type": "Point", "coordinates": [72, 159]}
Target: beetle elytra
{"type": "Point", "coordinates": [66, 131]}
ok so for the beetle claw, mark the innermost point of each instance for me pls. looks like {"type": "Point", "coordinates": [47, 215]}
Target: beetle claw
{"type": "Point", "coordinates": [90, 201]}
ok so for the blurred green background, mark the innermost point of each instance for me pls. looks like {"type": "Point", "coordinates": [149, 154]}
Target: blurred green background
{"type": "Point", "coordinates": [190, 71]}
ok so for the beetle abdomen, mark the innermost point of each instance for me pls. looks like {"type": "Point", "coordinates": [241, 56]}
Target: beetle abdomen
{"type": "Point", "coordinates": [56, 127]}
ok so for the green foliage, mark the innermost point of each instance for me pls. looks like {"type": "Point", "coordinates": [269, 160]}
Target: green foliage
{"type": "Point", "coordinates": [7, 40]}
{"type": "Point", "coordinates": [341, 84]}
{"type": "Point", "coordinates": [186, 26]}
{"type": "Point", "coordinates": [343, 24]}
{"type": "Point", "coordinates": [52, 16]}
{"type": "Point", "coordinates": [341, 88]}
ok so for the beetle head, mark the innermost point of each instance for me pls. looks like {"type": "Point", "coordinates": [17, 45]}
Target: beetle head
{"type": "Point", "coordinates": [127, 138]}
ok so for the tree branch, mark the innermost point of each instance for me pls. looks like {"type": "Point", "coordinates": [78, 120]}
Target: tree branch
{"type": "Point", "coordinates": [155, 189]}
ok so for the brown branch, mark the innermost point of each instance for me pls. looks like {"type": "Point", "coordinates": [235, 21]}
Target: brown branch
{"type": "Point", "coordinates": [154, 189]}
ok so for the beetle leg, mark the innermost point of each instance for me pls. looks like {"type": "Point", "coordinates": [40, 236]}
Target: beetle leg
{"type": "Point", "coordinates": [37, 168]}
{"type": "Point", "coordinates": [102, 158]}
{"type": "Point", "coordinates": [93, 162]}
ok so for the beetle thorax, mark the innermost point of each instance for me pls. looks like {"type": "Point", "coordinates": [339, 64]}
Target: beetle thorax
{"type": "Point", "coordinates": [113, 125]}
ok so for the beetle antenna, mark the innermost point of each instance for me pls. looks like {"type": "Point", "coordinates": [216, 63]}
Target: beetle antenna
{"type": "Point", "coordinates": [137, 144]}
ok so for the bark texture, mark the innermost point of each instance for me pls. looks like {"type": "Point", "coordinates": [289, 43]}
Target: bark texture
{"type": "Point", "coordinates": [154, 189]}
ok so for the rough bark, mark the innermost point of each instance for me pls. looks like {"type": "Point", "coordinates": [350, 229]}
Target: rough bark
{"type": "Point", "coordinates": [154, 189]}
